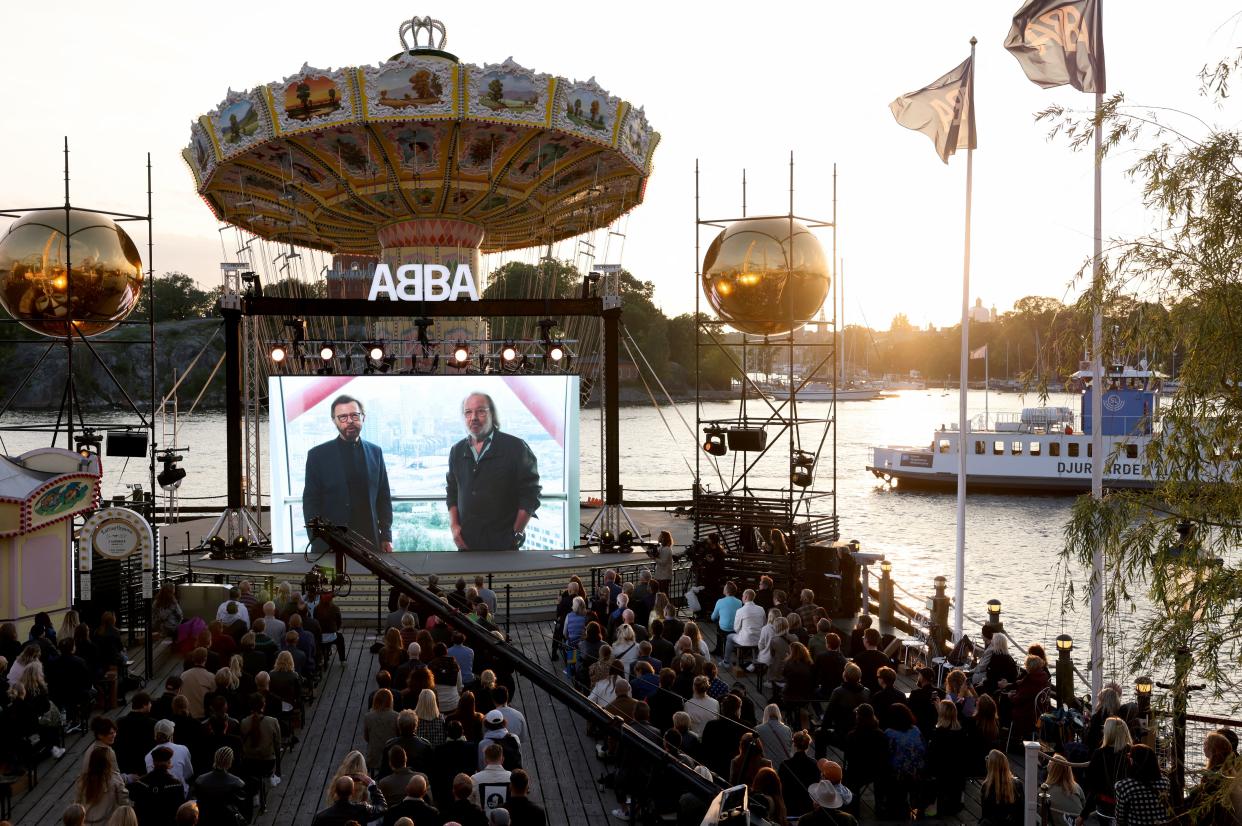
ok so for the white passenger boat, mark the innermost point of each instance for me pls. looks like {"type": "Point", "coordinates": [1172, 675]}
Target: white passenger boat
{"type": "Point", "coordinates": [823, 392]}
{"type": "Point", "coordinates": [1041, 448]}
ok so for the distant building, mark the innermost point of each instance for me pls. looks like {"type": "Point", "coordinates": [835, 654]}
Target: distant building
{"type": "Point", "coordinates": [350, 276]}
{"type": "Point", "coordinates": [981, 314]}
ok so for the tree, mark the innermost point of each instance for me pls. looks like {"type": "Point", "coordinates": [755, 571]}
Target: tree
{"type": "Point", "coordinates": [177, 298]}
{"type": "Point", "coordinates": [304, 93]}
{"type": "Point", "coordinates": [495, 90]}
{"type": "Point", "coordinates": [716, 369]}
{"type": "Point", "coordinates": [548, 279]}
{"type": "Point", "coordinates": [901, 324]}
{"type": "Point", "coordinates": [421, 81]}
{"type": "Point", "coordinates": [1192, 182]}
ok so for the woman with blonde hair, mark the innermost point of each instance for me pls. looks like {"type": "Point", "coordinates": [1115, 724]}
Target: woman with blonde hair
{"type": "Point", "coordinates": [31, 700]}
{"type": "Point", "coordinates": [625, 650]}
{"type": "Point", "coordinates": [1109, 763]}
{"type": "Point", "coordinates": [775, 736]}
{"type": "Point", "coordinates": [379, 725]}
{"type": "Point", "coordinates": [354, 765]}
{"type": "Point", "coordinates": [774, 651]}
{"type": "Point", "coordinates": [69, 624]}
{"type": "Point", "coordinates": [1001, 798]}
{"type": "Point", "coordinates": [1067, 797]}
{"type": "Point", "coordinates": [430, 723]}
{"type": "Point", "coordinates": [660, 608]}
{"type": "Point", "coordinates": [100, 789]}
{"type": "Point", "coordinates": [30, 654]}
{"type": "Point", "coordinates": [284, 682]}
{"type": "Point", "coordinates": [124, 816]}
{"type": "Point", "coordinates": [483, 699]}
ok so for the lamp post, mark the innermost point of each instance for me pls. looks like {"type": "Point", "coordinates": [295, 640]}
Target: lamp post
{"type": "Point", "coordinates": [1065, 670]}
{"type": "Point", "coordinates": [994, 616]}
{"type": "Point", "coordinates": [886, 595]}
{"type": "Point", "coordinates": [940, 615]}
{"type": "Point", "coordinates": [1142, 688]}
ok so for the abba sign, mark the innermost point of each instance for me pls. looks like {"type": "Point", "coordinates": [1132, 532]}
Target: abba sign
{"type": "Point", "coordinates": [423, 282]}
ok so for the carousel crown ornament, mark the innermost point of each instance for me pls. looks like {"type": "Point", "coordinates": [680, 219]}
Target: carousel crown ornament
{"type": "Point", "coordinates": [429, 25]}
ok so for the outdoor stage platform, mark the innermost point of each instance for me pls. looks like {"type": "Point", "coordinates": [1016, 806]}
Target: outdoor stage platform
{"type": "Point", "coordinates": [534, 578]}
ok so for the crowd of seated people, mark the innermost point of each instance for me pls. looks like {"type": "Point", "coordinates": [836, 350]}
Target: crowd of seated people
{"type": "Point", "coordinates": [439, 741]}
{"type": "Point", "coordinates": [915, 751]}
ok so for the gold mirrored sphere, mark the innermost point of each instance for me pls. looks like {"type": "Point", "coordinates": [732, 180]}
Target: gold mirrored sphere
{"type": "Point", "coordinates": [38, 289]}
{"type": "Point", "coordinates": [762, 278]}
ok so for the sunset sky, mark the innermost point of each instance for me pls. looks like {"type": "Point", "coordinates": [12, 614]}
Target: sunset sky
{"type": "Point", "coordinates": [732, 85]}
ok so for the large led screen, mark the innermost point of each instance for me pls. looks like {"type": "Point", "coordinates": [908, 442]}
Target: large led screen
{"type": "Point", "coordinates": [391, 455]}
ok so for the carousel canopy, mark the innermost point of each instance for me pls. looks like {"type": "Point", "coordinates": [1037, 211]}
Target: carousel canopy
{"type": "Point", "coordinates": [328, 159]}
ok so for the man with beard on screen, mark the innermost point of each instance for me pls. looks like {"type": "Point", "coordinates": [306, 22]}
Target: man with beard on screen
{"type": "Point", "coordinates": [346, 481]}
{"type": "Point", "coordinates": [493, 482]}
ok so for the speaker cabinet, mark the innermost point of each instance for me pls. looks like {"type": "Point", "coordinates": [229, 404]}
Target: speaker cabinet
{"type": "Point", "coordinates": [745, 438]}
{"type": "Point", "coordinates": [129, 443]}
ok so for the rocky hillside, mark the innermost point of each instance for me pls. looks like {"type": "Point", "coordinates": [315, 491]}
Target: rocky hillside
{"type": "Point", "coordinates": [124, 352]}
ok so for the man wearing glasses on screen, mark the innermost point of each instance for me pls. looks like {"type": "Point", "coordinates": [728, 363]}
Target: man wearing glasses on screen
{"type": "Point", "coordinates": [493, 482]}
{"type": "Point", "coordinates": [346, 481]}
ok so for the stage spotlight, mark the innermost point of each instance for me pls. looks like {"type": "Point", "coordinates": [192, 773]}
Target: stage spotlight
{"type": "Point", "coordinates": [625, 541]}
{"type": "Point", "coordinates": [714, 441]}
{"type": "Point", "coordinates": [509, 352]}
{"type": "Point", "coordinates": [461, 354]}
{"type": "Point", "coordinates": [556, 352]}
{"type": "Point", "coordinates": [375, 351]}
{"type": "Point", "coordinates": [87, 444]}
{"type": "Point", "coordinates": [278, 353]}
{"type": "Point", "coordinates": [801, 469]}
{"type": "Point", "coordinates": [170, 477]}
{"type": "Point", "coordinates": [327, 352]}
{"type": "Point", "coordinates": [219, 547]}
{"type": "Point", "coordinates": [607, 542]}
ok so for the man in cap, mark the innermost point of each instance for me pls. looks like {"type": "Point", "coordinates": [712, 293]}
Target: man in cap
{"type": "Point", "coordinates": [158, 794]}
{"type": "Point", "coordinates": [179, 764]}
{"type": "Point", "coordinates": [495, 730]}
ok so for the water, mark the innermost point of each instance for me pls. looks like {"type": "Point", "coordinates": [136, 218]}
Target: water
{"type": "Point", "coordinates": [1012, 541]}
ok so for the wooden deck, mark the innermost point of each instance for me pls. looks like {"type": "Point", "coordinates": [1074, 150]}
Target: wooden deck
{"type": "Point", "coordinates": [559, 757]}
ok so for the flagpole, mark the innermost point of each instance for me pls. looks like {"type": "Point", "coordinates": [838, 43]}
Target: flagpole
{"type": "Point", "coordinates": [987, 386]}
{"type": "Point", "coordinates": [963, 423]}
{"type": "Point", "coordinates": [1097, 421]}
